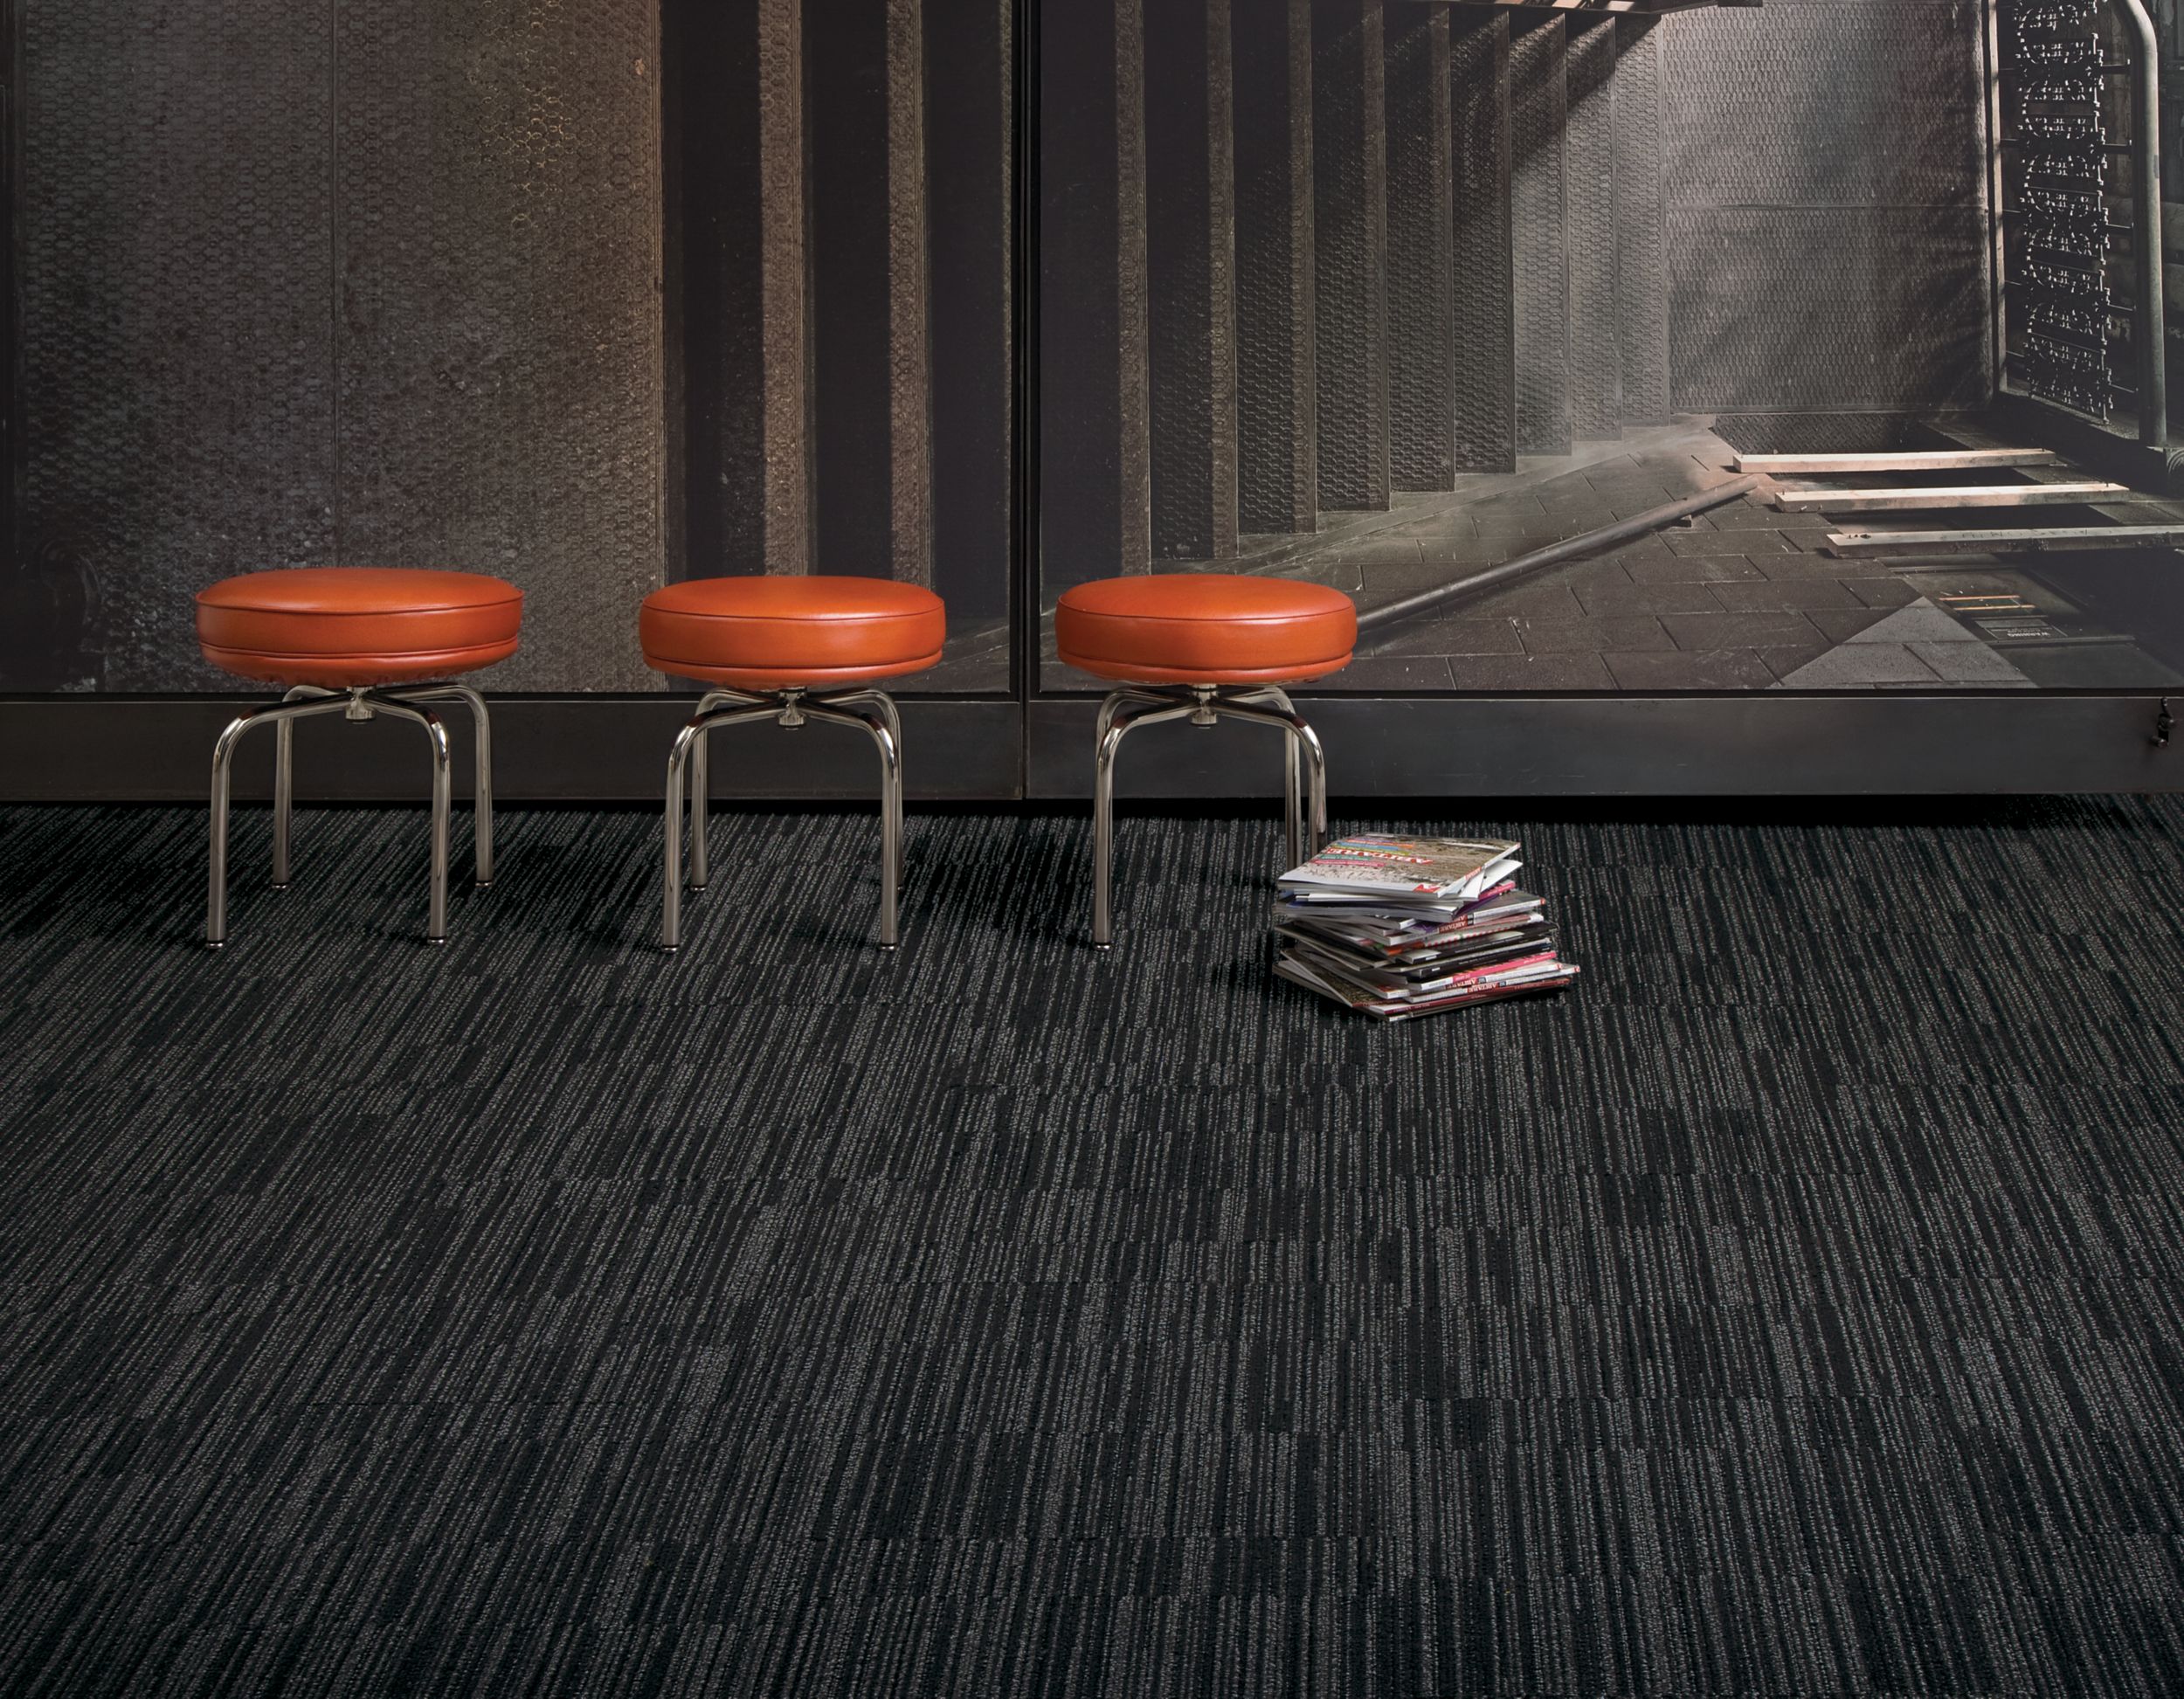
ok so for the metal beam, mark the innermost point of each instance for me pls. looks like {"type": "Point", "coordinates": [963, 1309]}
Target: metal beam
{"type": "Point", "coordinates": [1910, 545]}
{"type": "Point", "coordinates": [1836, 465]}
{"type": "Point", "coordinates": [1555, 553]}
{"type": "Point", "coordinates": [2000, 496]}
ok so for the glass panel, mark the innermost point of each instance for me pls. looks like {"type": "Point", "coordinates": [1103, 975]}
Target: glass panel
{"type": "Point", "coordinates": [1395, 297]}
{"type": "Point", "coordinates": [844, 172]}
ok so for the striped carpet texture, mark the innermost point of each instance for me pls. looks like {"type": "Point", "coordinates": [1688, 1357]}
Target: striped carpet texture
{"type": "Point", "coordinates": [1793, 1309]}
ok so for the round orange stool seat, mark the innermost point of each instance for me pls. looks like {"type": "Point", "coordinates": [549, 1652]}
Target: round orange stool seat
{"type": "Point", "coordinates": [777, 632]}
{"type": "Point", "coordinates": [1205, 628]}
{"type": "Point", "coordinates": [350, 627]}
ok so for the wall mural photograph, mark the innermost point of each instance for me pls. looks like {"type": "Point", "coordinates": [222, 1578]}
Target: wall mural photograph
{"type": "Point", "coordinates": [1388, 294]}
{"type": "Point", "coordinates": [595, 300]}
{"type": "Point", "coordinates": [1393, 296]}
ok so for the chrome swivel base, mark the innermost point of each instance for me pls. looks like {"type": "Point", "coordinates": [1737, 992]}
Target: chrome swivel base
{"type": "Point", "coordinates": [872, 711]}
{"type": "Point", "coordinates": [405, 702]}
{"type": "Point", "coordinates": [1204, 705]}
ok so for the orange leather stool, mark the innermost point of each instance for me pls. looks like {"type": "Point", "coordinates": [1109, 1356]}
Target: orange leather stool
{"type": "Point", "coordinates": [360, 641]}
{"type": "Point", "coordinates": [766, 644]}
{"type": "Point", "coordinates": [1229, 641]}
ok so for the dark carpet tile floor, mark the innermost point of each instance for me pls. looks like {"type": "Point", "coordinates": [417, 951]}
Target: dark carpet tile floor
{"type": "Point", "coordinates": [1794, 1307]}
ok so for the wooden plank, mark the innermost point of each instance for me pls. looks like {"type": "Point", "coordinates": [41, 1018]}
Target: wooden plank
{"type": "Point", "coordinates": [1937, 459]}
{"type": "Point", "coordinates": [1881, 545]}
{"type": "Point", "coordinates": [1999, 496]}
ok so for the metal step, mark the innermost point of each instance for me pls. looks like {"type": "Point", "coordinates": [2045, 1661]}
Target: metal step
{"type": "Point", "coordinates": [2000, 496]}
{"type": "Point", "coordinates": [1892, 545]}
{"type": "Point", "coordinates": [1958, 459]}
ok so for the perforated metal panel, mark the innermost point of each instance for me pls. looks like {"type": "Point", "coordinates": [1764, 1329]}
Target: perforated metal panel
{"type": "Point", "coordinates": [375, 282]}
{"type": "Point", "coordinates": [1277, 402]}
{"type": "Point", "coordinates": [971, 131]}
{"type": "Point", "coordinates": [178, 311]}
{"type": "Point", "coordinates": [870, 413]}
{"type": "Point", "coordinates": [1191, 251]}
{"type": "Point", "coordinates": [1422, 254]}
{"type": "Point", "coordinates": [1485, 305]}
{"type": "Point", "coordinates": [1539, 91]}
{"type": "Point", "coordinates": [1349, 181]}
{"type": "Point", "coordinates": [1094, 471]}
{"type": "Point", "coordinates": [1596, 366]}
{"type": "Point", "coordinates": [1828, 227]}
{"type": "Point", "coordinates": [498, 221]}
{"type": "Point", "coordinates": [1641, 253]}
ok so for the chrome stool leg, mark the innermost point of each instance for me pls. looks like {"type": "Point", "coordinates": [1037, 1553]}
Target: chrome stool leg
{"type": "Point", "coordinates": [1304, 745]}
{"type": "Point", "coordinates": [870, 711]}
{"type": "Point", "coordinates": [357, 704]}
{"type": "Point", "coordinates": [678, 762]}
{"type": "Point", "coordinates": [285, 779]}
{"type": "Point", "coordinates": [1304, 771]}
{"type": "Point", "coordinates": [1294, 821]}
{"type": "Point", "coordinates": [684, 765]}
{"type": "Point", "coordinates": [882, 724]}
{"type": "Point", "coordinates": [701, 788]}
{"type": "Point", "coordinates": [443, 784]}
{"type": "Point", "coordinates": [893, 716]}
{"type": "Point", "coordinates": [481, 737]}
{"type": "Point", "coordinates": [1120, 714]}
{"type": "Point", "coordinates": [701, 794]}
{"type": "Point", "coordinates": [275, 714]}
{"type": "Point", "coordinates": [284, 797]}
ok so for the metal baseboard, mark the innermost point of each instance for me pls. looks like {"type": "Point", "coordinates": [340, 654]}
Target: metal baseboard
{"type": "Point", "coordinates": [546, 749]}
{"type": "Point", "coordinates": [614, 749]}
{"type": "Point", "coordinates": [1760, 744]}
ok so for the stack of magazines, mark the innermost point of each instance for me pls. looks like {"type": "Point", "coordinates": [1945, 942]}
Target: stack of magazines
{"type": "Point", "coordinates": [1397, 928]}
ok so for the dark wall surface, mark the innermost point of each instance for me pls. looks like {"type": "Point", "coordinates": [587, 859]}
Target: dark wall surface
{"type": "Point", "coordinates": [378, 282]}
{"type": "Point", "coordinates": [841, 191]}
{"type": "Point", "coordinates": [1827, 206]}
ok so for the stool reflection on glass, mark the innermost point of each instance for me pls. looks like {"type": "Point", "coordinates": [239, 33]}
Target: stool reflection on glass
{"type": "Point", "coordinates": [361, 642]}
{"type": "Point", "coordinates": [1205, 647]}
{"type": "Point", "coordinates": [794, 651]}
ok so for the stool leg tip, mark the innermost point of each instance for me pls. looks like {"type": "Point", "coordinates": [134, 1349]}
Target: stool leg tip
{"type": "Point", "coordinates": [280, 885]}
{"type": "Point", "coordinates": [215, 943]}
{"type": "Point", "coordinates": [485, 885]}
{"type": "Point", "coordinates": [437, 944]}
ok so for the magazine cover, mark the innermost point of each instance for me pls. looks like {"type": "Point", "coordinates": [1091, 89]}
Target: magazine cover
{"type": "Point", "coordinates": [1439, 869]}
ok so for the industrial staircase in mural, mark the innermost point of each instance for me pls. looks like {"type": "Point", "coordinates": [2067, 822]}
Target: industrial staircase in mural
{"type": "Point", "coordinates": [1301, 258]}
